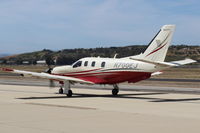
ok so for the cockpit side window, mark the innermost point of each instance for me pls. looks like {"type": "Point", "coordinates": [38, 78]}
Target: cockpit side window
{"type": "Point", "coordinates": [93, 64]}
{"type": "Point", "coordinates": [86, 63]}
{"type": "Point", "coordinates": [78, 64]}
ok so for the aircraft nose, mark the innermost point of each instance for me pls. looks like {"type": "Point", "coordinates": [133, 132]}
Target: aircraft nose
{"type": "Point", "coordinates": [53, 71]}
{"type": "Point", "coordinates": [61, 69]}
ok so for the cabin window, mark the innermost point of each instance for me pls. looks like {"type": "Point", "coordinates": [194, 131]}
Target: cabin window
{"type": "Point", "coordinates": [103, 64]}
{"type": "Point", "coordinates": [93, 64]}
{"type": "Point", "coordinates": [78, 64]}
{"type": "Point", "coordinates": [86, 63]}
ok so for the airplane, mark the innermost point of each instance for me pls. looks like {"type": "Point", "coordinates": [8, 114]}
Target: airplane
{"type": "Point", "coordinates": [112, 71]}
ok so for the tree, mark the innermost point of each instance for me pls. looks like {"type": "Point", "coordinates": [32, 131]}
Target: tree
{"type": "Point", "coordinates": [49, 59]}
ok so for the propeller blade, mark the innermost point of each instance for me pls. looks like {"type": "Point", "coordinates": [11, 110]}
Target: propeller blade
{"type": "Point", "coordinates": [49, 70]}
{"type": "Point", "coordinates": [51, 84]}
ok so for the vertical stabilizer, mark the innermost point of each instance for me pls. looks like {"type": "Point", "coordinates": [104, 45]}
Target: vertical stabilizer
{"type": "Point", "coordinates": [157, 49]}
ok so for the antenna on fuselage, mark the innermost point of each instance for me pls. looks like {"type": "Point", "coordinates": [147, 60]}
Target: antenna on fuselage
{"type": "Point", "coordinates": [115, 55]}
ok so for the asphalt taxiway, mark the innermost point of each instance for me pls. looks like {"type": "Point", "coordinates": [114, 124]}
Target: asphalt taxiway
{"type": "Point", "coordinates": [123, 87]}
{"type": "Point", "coordinates": [39, 109]}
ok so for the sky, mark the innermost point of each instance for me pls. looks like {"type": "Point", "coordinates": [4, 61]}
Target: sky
{"type": "Point", "coordinates": [31, 25]}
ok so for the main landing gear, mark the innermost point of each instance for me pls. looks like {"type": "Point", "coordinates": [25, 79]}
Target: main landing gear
{"type": "Point", "coordinates": [65, 89]}
{"type": "Point", "coordinates": [115, 91]}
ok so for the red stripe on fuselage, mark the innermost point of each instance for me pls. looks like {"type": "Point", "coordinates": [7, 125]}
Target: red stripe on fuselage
{"type": "Point", "coordinates": [84, 71]}
{"type": "Point", "coordinates": [7, 69]}
{"type": "Point", "coordinates": [88, 74]}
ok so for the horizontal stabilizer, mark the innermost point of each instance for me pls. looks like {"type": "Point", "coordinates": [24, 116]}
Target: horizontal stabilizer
{"type": "Point", "coordinates": [157, 63]}
{"type": "Point", "coordinates": [183, 62]}
{"type": "Point", "coordinates": [166, 64]}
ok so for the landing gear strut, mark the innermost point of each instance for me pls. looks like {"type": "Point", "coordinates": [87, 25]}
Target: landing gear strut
{"type": "Point", "coordinates": [115, 91]}
{"type": "Point", "coordinates": [67, 89]}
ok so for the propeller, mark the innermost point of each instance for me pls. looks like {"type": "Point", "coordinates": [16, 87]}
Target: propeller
{"type": "Point", "coordinates": [49, 71]}
{"type": "Point", "coordinates": [51, 84]}
{"type": "Point", "coordinates": [49, 63]}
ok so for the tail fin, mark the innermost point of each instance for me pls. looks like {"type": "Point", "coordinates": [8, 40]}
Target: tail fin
{"type": "Point", "coordinates": [157, 49]}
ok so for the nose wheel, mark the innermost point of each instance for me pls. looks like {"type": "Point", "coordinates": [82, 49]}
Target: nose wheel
{"type": "Point", "coordinates": [60, 91]}
{"type": "Point", "coordinates": [69, 93]}
{"type": "Point", "coordinates": [65, 89]}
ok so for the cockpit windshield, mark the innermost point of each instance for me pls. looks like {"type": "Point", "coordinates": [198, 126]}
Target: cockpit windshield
{"type": "Point", "coordinates": [77, 64]}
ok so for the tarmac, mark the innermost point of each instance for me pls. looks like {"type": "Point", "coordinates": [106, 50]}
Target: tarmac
{"type": "Point", "coordinates": [32, 109]}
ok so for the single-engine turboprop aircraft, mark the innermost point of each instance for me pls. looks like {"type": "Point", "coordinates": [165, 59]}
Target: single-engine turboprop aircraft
{"type": "Point", "coordinates": [97, 70]}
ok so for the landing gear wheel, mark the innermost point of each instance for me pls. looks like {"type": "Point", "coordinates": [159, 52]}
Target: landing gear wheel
{"type": "Point", "coordinates": [115, 92]}
{"type": "Point", "coordinates": [60, 91]}
{"type": "Point", "coordinates": [69, 94]}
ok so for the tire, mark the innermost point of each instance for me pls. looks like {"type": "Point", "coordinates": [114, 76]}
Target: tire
{"type": "Point", "coordinates": [69, 94]}
{"type": "Point", "coordinates": [115, 92]}
{"type": "Point", "coordinates": [60, 91]}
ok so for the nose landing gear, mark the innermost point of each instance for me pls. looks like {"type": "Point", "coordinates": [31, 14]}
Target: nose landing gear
{"type": "Point", "coordinates": [65, 89]}
{"type": "Point", "coordinates": [69, 93]}
{"type": "Point", "coordinates": [60, 91]}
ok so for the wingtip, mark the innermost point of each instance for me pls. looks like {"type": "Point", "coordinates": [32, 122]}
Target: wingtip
{"type": "Point", "coordinates": [6, 69]}
{"type": "Point", "coordinates": [192, 61]}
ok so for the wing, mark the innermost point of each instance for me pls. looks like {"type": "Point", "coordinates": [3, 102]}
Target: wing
{"type": "Point", "coordinates": [46, 76]}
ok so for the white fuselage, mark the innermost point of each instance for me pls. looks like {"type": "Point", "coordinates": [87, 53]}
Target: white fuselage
{"type": "Point", "coordinates": [103, 70]}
